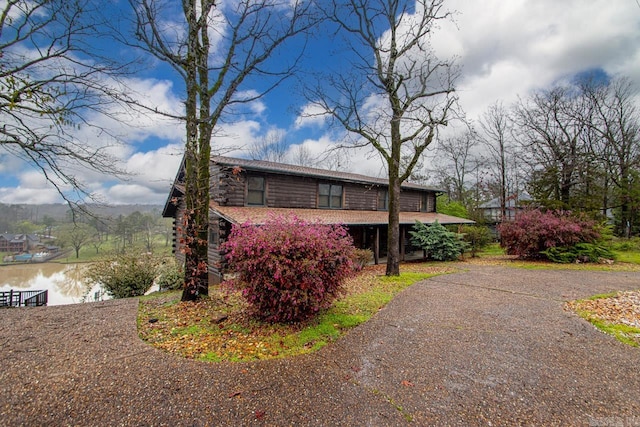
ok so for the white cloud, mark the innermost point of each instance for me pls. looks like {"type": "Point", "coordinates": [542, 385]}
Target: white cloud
{"type": "Point", "coordinates": [509, 48]}
{"type": "Point", "coordinates": [311, 115]}
{"type": "Point", "coordinates": [255, 106]}
{"type": "Point", "coordinates": [325, 154]}
{"type": "Point", "coordinates": [231, 138]}
{"type": "Point", "coordinates": [20, 195]}
{"type": "Point", "coordinates": [32, 188]}
{"type": "Point", "coordinates": [134, 194]}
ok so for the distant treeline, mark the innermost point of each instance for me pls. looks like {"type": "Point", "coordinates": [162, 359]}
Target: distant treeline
{"type": "Point", "coordinates": [11, 215]}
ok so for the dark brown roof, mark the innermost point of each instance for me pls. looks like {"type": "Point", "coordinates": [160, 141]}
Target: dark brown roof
{"type": "Point", "coordinates": [283, 168]}
{"type": "Point", "coordinates": [170, 207]}
{"type": "Point", "coordinates": [259, 215]}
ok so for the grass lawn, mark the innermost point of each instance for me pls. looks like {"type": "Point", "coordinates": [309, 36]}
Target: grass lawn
{"type": "Point", "coordinates": [88, 253]}
{"type": "Point", "coordinates": [218, 328]}
{"type": "Point", "coordinates": [493, 249]}
{"type": "Point", "coordinates": [631, 257]}
{"type": "Point", "coordinates": [627, 258]}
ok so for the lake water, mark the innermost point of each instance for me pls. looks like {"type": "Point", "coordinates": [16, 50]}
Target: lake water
{"type": "Point", "coordinates": [63, 281]}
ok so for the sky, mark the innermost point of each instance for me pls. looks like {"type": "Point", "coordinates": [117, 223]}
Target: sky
{"type": "Point", "coordinates": [505, 50]}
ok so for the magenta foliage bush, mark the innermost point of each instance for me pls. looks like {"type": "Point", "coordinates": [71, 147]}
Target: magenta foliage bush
{"type": "Point", "coordinates": [534, 231]}
{"type": "Point", "coordinates": [289, 269]}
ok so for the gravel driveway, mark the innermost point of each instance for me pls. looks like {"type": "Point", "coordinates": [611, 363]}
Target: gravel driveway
{"type": "Point", "coordinates": [490, 346]}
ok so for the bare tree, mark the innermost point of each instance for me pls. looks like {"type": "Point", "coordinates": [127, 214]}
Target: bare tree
{"type": "Point", "coordinates": [552, 135]}
{"type": "Point", "coordinates": [496, 138]}
{"type": "Point", "coordinates": [76, 236]}
{"type": "Point", "coordinates": [396, 93]}
{"type": "Point", "coordinates": [272, 147]}
{"type": "Point", "coordinates": [51, 81]}
{"type": "Point", "coordinates": [459, 162]}
{"type": "Point", "coordinates": [215, 47]}
{"type": "Point", "coordinates": [301, 156]}
{"type": "Point", "coordinates": [614, 118]}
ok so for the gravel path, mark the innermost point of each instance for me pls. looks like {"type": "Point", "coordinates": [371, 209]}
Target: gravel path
{"type": "Point", "coordinates": [490, 346]}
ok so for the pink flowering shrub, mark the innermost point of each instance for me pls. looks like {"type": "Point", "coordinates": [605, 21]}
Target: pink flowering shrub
{"type": "Point", "coordinates": [534, 231]}
{"type": "Point", "coordinates": [289, 269]}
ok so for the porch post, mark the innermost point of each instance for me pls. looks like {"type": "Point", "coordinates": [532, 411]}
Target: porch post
{"type": "Point", "coordinates": [402, 237]}
{"type": "Point", "coordinates": [376, 246]}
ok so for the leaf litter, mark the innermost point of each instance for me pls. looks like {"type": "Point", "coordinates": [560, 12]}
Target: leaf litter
{"type": "Point", "coordinates": [220, 327]}
{"type": "Point", "coordinates": [621, 308]}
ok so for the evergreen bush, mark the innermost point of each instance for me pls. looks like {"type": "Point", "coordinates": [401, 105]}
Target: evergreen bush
{"type": "Point", "coordinates": [439, 243]}
{"type": "Point", "coordinates": [125, 275]}
{"type": "Point", "coordinates": [477, 237]}
{"type": "Point", "coordinates": [170, 276]}
{"type": "Point", "coordinates": [580, 252]}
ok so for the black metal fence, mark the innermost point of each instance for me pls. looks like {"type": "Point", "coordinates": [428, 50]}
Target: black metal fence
{"type": "Point", "coordinates": [23, 298]}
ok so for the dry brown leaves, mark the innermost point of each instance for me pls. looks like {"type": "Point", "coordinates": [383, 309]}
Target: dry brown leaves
{"type": "Point", "coordinates": [623, 308]}
{"type": "Point", "coordinates": [216, 328]}
{"type": "Point", "coordinates": [220, 327]}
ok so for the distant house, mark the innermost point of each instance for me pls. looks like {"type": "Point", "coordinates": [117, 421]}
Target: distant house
{"type": "Point", "coordinates": [250, 191]}
{"type": "Point", "coordinates": [492, 211]}
{"type": "Point", "coordinates": [17, 243]}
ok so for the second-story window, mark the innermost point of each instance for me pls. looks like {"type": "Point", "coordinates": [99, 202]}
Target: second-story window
{"type": "Point", "coordinates": [330, 196]}
{"type": "Point", "coordinates": [383, 200]}
{"type": "Point", "coordinates": [255, 191]}
{"type": "Point", "coordinates": [426, 204]}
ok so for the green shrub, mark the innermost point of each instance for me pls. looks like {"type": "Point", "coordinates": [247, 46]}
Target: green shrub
{"type": "Point", "coordinates": [125, 275]}
{"type": "Point", "coordinates": [477, 237]}
{"type": "Point", "coordinates": [625, 245]}
{"type": "Point", "coordinates": [438, 243]}
{"type": "Point", "coordinates": [363, 257]}
{"type": "Point", "coordinates": [448, 207]}
{"type": "Point", "coordinates": [580, 252]}
{"type": "Point", "coordinates": [170, 276]}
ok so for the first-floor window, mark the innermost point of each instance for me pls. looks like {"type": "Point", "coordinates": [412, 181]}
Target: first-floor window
{"type": "Point", "coordinates": [213, 236]}
{"type": "Point", "coordinates": [330, 196]}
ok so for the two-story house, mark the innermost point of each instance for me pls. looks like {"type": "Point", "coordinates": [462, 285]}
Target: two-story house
{"type": "Point", "coordinates": [17, 243]}
{"type": "Point", "coordinates": [249, 191]}
{"type": "Point", "coordinates": [492, 211]}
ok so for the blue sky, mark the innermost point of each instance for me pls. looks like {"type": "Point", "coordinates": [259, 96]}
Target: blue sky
{"type": "Point", "coordinates": [506, 48]}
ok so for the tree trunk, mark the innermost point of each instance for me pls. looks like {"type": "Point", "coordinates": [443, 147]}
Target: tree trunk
{"type": "Point", "coordinates": [393, 235]}
{"type": "Point", "coordinates": [196, 216]}
{"type": "Point", "coordinates": [393, 240]}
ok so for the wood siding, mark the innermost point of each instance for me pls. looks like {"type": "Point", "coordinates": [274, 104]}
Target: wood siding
{"type": "Point", "coordinates": [431, 199]}
{"type": "Point", "coordinates": [286, 191]}
{"type": "Point", "coordinates": [360, 197]}
{"type": "Point", "coordinates": [410, 201]}
{"type": "Point", "coordinates": [177, 233]}
{"type": "Point", "coordinates": [228, 188]}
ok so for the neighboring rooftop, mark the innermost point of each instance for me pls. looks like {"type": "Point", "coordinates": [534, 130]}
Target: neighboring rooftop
{"type": "Point", "coordinates": [512, 201]}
